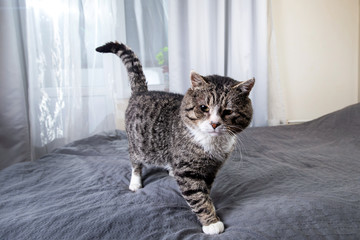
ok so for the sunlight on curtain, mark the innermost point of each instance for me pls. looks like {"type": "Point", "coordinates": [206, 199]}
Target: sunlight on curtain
{"type": "Point", "coordinates": [74, 91]}
{"type": "Point", "coordinates": [70, 86]}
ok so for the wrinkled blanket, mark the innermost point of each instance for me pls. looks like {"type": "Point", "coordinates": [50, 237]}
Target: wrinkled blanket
{"type": "Point", "coordinates": [286, 182]}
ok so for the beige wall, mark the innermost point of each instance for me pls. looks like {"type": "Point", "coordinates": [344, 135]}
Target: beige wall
{"type": "Point", "coordinates": [318, 52]}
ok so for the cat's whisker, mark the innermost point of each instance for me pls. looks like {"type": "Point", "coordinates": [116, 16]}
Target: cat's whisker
{"type": "Point", "coordinates": [239, 146]}
{"type": "Point", "coordinates": [244, 150]}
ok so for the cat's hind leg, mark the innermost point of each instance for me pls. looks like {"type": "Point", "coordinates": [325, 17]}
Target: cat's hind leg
{"type": "Point", "coordinates": [135, 180]}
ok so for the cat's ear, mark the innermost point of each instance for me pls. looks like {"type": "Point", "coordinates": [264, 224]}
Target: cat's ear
{"type": "Point", "coordinates": [197, 81]}
{"type": "Point", "coordinates": [245, 86]}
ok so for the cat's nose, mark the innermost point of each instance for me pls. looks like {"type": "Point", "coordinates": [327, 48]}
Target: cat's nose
{"type": "Point", "coordinates": [215, 124]}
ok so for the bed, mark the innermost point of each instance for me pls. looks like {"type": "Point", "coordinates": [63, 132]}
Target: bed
{"type": "Point", "coordinates": [285, 182]}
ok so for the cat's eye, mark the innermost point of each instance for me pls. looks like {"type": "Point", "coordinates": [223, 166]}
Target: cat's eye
{"type": "Point", "coordinates": [204, 108]}
{"type": "Point", "coordinates": [227, 112]}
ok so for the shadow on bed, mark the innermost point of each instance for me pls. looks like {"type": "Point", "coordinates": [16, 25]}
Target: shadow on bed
{"type": "Point", "coordinates": [286, 182]}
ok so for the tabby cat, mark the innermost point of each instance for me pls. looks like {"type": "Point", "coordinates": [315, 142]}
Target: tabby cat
{"type": "Point", "coordinates": [190, 135]}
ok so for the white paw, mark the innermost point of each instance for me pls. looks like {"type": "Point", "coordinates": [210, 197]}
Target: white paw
{"type": "Point", "coordinates": [135, 186]}
{"type": "Point", "coordinates": [171, 173]}
{"type": "Point", "coordinates": [135, 181]}
{"type": "Point", "coordinates": [214, 228]}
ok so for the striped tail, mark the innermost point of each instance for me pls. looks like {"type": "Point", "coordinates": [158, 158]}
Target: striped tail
{"type": "Point", "coordinates": [131, 62]}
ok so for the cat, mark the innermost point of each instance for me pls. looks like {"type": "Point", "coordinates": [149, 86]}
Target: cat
{"type": "Point", "coordinates": [190, 135]}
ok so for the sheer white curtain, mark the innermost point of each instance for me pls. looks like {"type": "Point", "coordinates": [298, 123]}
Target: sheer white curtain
{"type": "Point", "coordinates": [226, 37]}
{"type": "Point", "coordinates": [54, 87]}
{"type": "Point", "coordinates": [71, 87]}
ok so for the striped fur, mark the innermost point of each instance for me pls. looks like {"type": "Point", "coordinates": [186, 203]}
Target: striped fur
{"type": "Point", "coordinates": [131, 62]}
{"type": "Point", "coordinates": [190, 135]}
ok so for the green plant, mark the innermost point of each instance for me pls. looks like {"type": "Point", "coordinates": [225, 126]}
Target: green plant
{"type": "Point", "coordinates": [162, 56]}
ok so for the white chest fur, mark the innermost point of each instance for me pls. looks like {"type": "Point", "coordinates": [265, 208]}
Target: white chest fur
{"type": "Point", "coordinates": [214, 144]}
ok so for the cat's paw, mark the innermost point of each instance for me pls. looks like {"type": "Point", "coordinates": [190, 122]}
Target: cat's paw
{"type": "Point", "coordinates": [135, 181]}
{"type": "Point", "coordinates": [214, 228]}
{"type": "Point", "coordinates": [135, 186]}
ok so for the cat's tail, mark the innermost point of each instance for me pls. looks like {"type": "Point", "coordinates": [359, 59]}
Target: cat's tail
{"type": "Point", "coordinates": [131, 62]}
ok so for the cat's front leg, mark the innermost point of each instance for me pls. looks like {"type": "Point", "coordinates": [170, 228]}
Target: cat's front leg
{"type": "Point", "coordinates": [135, 180]}
{"type": "Point", "coordinates": [197, 195]}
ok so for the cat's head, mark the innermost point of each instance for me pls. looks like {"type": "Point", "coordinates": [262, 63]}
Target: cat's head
{"type": "Point", "coordinates": [216, 105]}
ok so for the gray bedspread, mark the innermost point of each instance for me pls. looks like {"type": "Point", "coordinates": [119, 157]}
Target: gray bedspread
{"type": "Point", "coordinates": [286, 182]}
